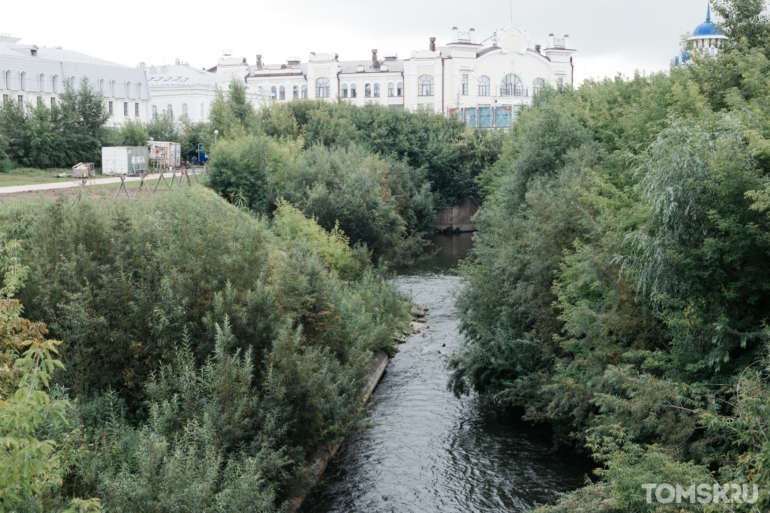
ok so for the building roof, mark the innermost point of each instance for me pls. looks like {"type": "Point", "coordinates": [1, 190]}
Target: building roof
{"type": "Point", "coordinates": [707, 28]}
{"type": "Point", "coordinates": [393, 65]}
{"type": "Point", "coordinates": [183, 75]}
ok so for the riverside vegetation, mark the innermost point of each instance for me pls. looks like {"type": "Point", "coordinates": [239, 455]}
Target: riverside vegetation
{"type": "Point", "coordinates": [190, 352]}
{"type": "Point", "coordinates": [620, 288]}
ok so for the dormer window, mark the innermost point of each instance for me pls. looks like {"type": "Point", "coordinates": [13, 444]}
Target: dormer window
{"type": "Point", "coordinates": [33, 52]}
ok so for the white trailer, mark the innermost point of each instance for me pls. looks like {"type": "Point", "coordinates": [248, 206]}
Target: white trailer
{"type": "Point", "coordinates": [124, 160]}
{"type": "Point", "coordinates": [165, 154]}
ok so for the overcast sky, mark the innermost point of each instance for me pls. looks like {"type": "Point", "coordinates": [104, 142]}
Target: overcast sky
{"type": "Point", "coordinates": [611, 36]}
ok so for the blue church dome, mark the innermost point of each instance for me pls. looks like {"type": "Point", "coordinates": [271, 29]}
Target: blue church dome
{"type": "Point", "coordinates": [707, 28]}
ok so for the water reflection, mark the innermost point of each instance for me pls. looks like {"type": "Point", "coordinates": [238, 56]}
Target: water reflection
{"type": "Point", "coordinates": [429, 451]}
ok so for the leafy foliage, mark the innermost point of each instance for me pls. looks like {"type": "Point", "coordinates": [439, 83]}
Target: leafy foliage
{"type": "Point", "coordinates": [619, 287]}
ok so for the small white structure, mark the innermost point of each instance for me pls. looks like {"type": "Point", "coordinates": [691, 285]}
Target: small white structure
{"type": "Point", "coordinates": [485, 85]}
{"type": "Point", "coordinates": [124, 160]}
{"type": "Point", "coordinates": [181, 90]}
{"type": "Point", "coordinates": [37, 75]}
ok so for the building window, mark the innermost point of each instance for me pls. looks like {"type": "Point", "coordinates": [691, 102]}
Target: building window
{"type": "Point", "coordinates": [391, 89]}
{"type": "Point", "coordinates": [170, 110]}
{"type": "Point", "coordinates": [368, 91]}
{"type": "Point", "coordinates": [21, 100]}
{"type": "Point", "coordinates": [282, 93]}
{"type": "Point", "coordinates": [322, 88]}
{"type": "Point", "coordinates": [484, 86]}
{"type": "Point", "coordinates": [23, 80]}
{"type": "Point", "coordinates": [400, 89]}
{"type": "Point", "coordinates": [274, 92]}
{"type": "Point", "coordinates": [5, 98]}
{"type": "Point", "coordinates": [376, 90]}
{"type": "Point", "coordinates": [101, 86]}
{"type": "Point", "coordinates": [8, 80]}
{"type": "Point", "coordinates": [511, 86]}
{"type": "Point", "coordinates": [73, 82]}
{"type": "Point", "coordinates": [425, 85]}
{"type": "Point", "coordinates": [295, 92]}
{"type": "Point", "coordinates": [39, 101]}
{"type": "Point", "coordinates": [128, 89]}
{"type": "Point", "coordinates": [353, 91]}
{"type": "Point", "coordinates": [55, 83]}
{"type": "Point", "coordinates": [136, 110]}
{"type": "Point", "coordinates": [53, 101]}
{"type": "Point", "coordinates": [154, 110]}
{"type": "Point", "coordinates": [109, 109]}
{"type": "Point", "coordinates": [344, 90]}
{"type": "Point", "coordinates": [304, 91]}
{"type": "Point", "coordinates": [139, 91]}
{"type": "Point", "coordinates": [537, 85]}
{"type": "Point", "coordinates": [41, 83]}
{"type": "Point", "coordinates": [184, 110]}
{"type": "Point", "coordinates": [113, 89]}
{"type": "Point", "coordinates": [464, 85]}
{"type": "Point", "coordinates": [125, 109]}
{"type": "Point", "coordinates": [203, 112]}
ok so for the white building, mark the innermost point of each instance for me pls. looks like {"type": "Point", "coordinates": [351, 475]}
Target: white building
{"type": "Point", "coordinates": [36, 75]}
{"type": "Point", "coordinates": [485, 85]}
{"type": "Point", "coordinates": [706, 39]}
{"type": "Point", "coordinates": [182, 90]}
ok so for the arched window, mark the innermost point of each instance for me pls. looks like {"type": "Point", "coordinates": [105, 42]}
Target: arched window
{"type": "Point", "coordinates": [282, 93]}
{"type": "Point", "coordinates": [400, 89]}
{"type": "Point", "coordinates": [376, 90]}
{"type": "Point", "coordinates": [73, 82]}
{"type": "Point", "coordinates": [274, 92]}
{"type": "Point", "coordinates": [101, 86]}
{"type": "Point", "coordinates": [184, 110]}
{"type": "Point", "coordinates": [425, 85]}
{"type": "Point", "coordinates": [484, 86]}
{"type": "Point", "coordinates": [128, 90]}
{"type": "Point", "coordinates": [139, 90]}
{"type": "Point", "coordinates": [511, 86]}
{"type": "Point", "coordinates": [304, 91]}
{"type": "Point", "coordinates": [537, 85]}
{"type": "Point", "coordinates": [344, 90]}
{"type": "Point", "coordinates": [295, 92]}
{"type": "Point", "coordinates": [170, 110]}
{"type": "Point", "coordinates": [113, 88]}
{"type": "Point", "coordinates": [368, 91]}
{"type": "Point", "coordinates": [391, 89]}
{"type": "Point", "coordinates": [203, 112]}
{"type": "Point", "coordinates": [322, 88]}
{"type": "Point", "coordinates": [154, 110]}
{"type": "Point", "coordinates": [23, 80]}
{"type": "Point", "coordinates": [353, 91]}
{"type": "Point", "coordinates": [41, 83]}
{"type": "Point", "coordinates": [55, 84]}
{"type": "Point", "coordinates": [8, 79]}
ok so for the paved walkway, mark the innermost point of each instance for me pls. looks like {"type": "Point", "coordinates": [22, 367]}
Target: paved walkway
{"type": "Point", "coordinates": [70, 184]}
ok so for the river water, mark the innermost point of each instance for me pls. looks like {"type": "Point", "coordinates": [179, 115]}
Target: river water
{"type": "Point", "coordinates": [429, 451]}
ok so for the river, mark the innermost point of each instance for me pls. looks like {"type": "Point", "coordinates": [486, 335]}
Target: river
{"type": "Point", "coordinates": [429, 451]}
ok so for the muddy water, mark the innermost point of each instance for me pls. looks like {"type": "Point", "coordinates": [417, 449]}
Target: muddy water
{"type": "Point", "coordinates": [429, 451]}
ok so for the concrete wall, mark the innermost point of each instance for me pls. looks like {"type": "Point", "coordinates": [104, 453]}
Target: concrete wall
{"type": "Point", "coordinates": [456, 218]}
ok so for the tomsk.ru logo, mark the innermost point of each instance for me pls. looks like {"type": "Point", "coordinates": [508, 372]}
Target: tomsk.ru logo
{"type": "Point", "coordinates": [703, 493]}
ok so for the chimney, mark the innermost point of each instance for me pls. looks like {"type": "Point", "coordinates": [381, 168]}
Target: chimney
{"type": "Point", "coordinates": [538, 48]}
{"type": "Point", "coordinates": [259, 61]}
{"type": "Point", "coordinates": [433, 44]}
{"type": "Point", "coordinates": [566, 40]}
{"type": "Point", "coordinates": [375, 62]}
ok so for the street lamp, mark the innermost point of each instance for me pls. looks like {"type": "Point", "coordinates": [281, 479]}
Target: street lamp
{"type": "Point", "coordinates": [216, 133]}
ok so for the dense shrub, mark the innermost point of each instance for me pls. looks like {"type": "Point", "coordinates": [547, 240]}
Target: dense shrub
{"type": "Point", "coordinates": [619, 287]}
{"type": "Point", "coordinates": [206, 351]}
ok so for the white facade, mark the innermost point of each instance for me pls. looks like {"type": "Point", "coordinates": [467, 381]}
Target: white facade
{"type": "Point", "coordinates": [182, 90]}
{"type": "Point", "coordinates": [30, 75]}
{"type": "Point", "coordinates": [485, 85]}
